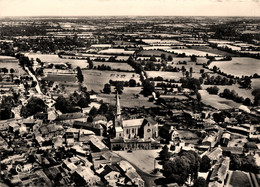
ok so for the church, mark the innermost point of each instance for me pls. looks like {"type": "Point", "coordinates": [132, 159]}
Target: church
{"type": "Point", "coordinates": [133, 133]}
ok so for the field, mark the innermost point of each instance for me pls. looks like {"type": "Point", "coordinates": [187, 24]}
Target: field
{"type": "Point", "coordinates": [116, 51]}
{"type": "Point", "coordinates": [164, 74]}
{"type": "Point", "coordinates": [11, 62]}
{"type": "Point", "coordinates": [145, 161]}
{"type": "Point", "coordinates": [239, 66]}
{"type": "Point", "coordinates": [61, 78]}
{"type": "Point", "coordinates": [49, 58]}
{"type": "Point", "coordinates": [211, 50]}
{"type": "Point", "coordinates": [127, 98]}
{"type": "Point", "coordinates": [190, 52]}
{"type": "Point", "coordinates": [177, 75]}
{"type": "Point", "coordinates": [95, 79]}
{"type": "Point", "coordinates": [241, 92]}
{"type": "Point", "coordinates": [239, 179]}
{"type": "Point", "coordinates": [255, 83]}
{"type": "Point", "coordinates": [154, 53]}
{"type": "Point", "coordinates": [115, 65]}
{"type": "Point", "coordinates": [216, 101]}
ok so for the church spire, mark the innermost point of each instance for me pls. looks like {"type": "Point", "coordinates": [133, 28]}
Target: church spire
{"type": "Point", "coordinates": [118, 108]}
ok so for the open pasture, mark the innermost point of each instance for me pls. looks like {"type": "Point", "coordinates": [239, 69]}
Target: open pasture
{"type": "Point", "coordinates": [238, 66]}
{"type": "Point", "coordinates": [190, 52]}
{"type": "Point", "coordinates": [115, 65]}
{"type": "Point", "coordinates": [95, 79]}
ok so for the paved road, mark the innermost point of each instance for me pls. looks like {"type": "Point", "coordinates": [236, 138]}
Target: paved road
{"type": "Point", "coordinates": [37, 87]}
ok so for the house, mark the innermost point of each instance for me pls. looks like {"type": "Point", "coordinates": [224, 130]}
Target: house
{"type": "Point", "coordinates": [84, 176]}
{"type": "Point", "coordinates": [134, 177]}
{"type": "Point", "coordinates": [215, 154]}
{"type": "Point", "coordinates": [219, 172]}
{"type": "Point", "coordinates": [210, 140]}
{"type": "Point", "coordinates": [110, 174]}
{"type": "Point", "coordinates": [169, 132]}
{"type": "Point", "coordinates": [125, 166]}
{"type": "Point", "coordinates": [225, 139]}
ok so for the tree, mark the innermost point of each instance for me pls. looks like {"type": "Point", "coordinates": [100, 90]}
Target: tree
{"type": "Point", "coordinates": [83, 102]}
{"type": "Point", "coordinates": [93, 111]}
{"type": "Point", "coordinates": [33, 106]}
{"type": "Point", "coordinates": [177, 170]}
{"type": "Point", "coordinates": [5, 70]}
{"type": "Point", "coordinates": [215, 69]}
{"type": "Point", "coordinates": [205, 164]}
{"type": "Point", "coordinates": [200, 182]}
{"type": "Point", "coordinates": [132, 83]}
{"type": "Point", "coordinates": [163, 56]}
{"type": "Point", "coordinates": [164, 153]}
{"type": "Point", "coordinates": [198, 96]}
{"type": "Point", "coordinates": [119, 87]}
{"type": "Point", "coordinates": [170, 58]}
{"type": "Point", "coordinates": [247, 102]}
{"type": "Point", "coordinates": [213, 90]}
{"type": "Point", "coordinates": [191, 70]}
{"type": "Point", "coordinates": [5, 112]}
{"type": "Point", "coordinates": [107, 88]}
{"type": "Point", "coordinates": [193, 58]}
{"type": "Point", "coordinates": [256, 93]}
{"type": "Point", "coordinates": [80, 75]}
{"type": "Point", "coordinates": [148, 88]}
{"type": "Point", "coordinates": [103, 108]}
{"type": "Point", "coordinates": [183, 70]}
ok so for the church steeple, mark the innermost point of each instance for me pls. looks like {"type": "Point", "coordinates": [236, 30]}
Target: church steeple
{"type": "Point", "coordinates": [118, 108]}
{"type": "Point", "coordinates": [118, 119]}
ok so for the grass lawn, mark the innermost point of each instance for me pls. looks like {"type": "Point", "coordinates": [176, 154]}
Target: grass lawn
{"type": "Point", "coordinates": [143, 159]}
{"type": "Point", "coordinates": [239, 179]}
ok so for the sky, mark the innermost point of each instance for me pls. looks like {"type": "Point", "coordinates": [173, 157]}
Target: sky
{"type": "Point", "coordinates": [129, 8]}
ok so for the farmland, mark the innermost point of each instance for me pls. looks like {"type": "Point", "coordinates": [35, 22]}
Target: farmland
{"type": "Point", "coordinates": [11, 62]}
{"type": "Point", "coordinates": [217, 102]}
{"type": "Point", "coordinates": [51, 58]}
{"type": "Point", "coordinates": [241, 92]}
{"type": "Point", "coordinates": [95, 79]}
{"type": "Point", "coordinates": [190, 52]}
{"type": "Point", "coordinates": [115, 65]}
{"type": "Point", "coordinates": [212, 50]}
{"type": "Point", "coordinates": [157, 53]}
{"type": "Point", "coordinates": [234, 67]}
{"type": "Point", "coordinates": [61, 77]}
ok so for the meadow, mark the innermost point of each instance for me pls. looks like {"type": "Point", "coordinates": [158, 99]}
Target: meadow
{"type": "Point", "coordinates": [190, 52]}
{"type": "Point", "coordinates": [239, 66]}
{"type": "Point", "coordinates": [115, 65]}
{"type": "Point", "coordinates": [95, 79]}
{"type": "Point", "coordinates": [11, 62]}
{"type": "Point", "coordinates": [51, 58]}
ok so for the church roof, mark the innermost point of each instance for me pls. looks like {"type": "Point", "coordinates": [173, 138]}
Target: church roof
{"type": "Point", "coordinates": [133, 123]}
